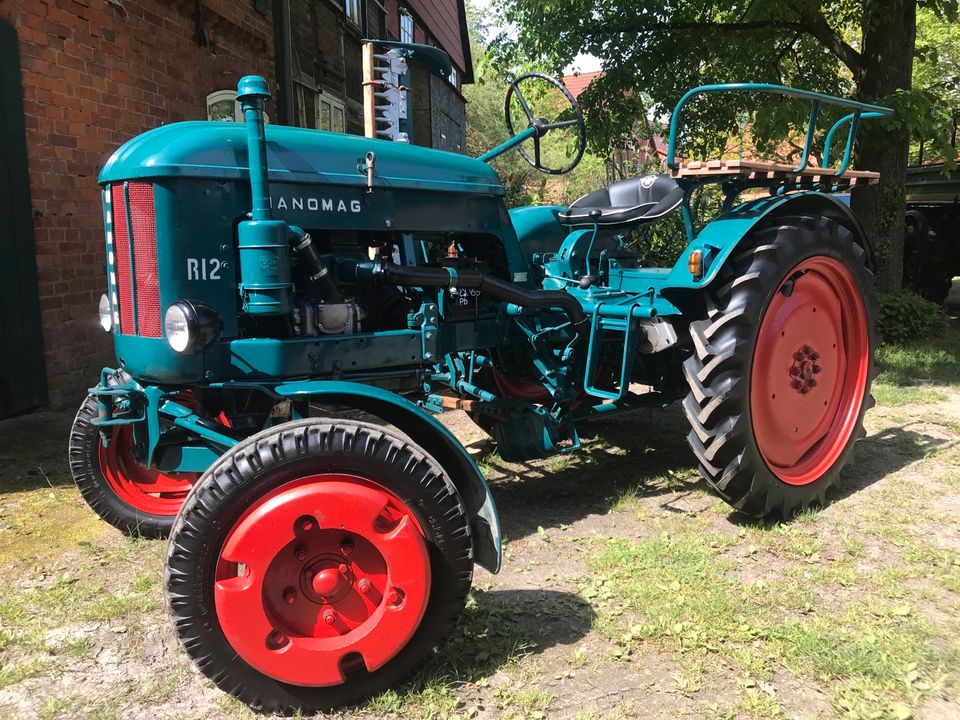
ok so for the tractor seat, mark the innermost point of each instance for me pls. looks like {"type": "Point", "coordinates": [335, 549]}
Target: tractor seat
{"type": "Point", "coordinates": [624, 203]}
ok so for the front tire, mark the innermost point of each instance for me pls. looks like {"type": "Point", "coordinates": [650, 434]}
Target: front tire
{"type": "Point", "coordinates": [134, 499]}
{"type": "Point", "coordinates": [317, 563]}
{"type": "Point", "coordinates": [781, 371]}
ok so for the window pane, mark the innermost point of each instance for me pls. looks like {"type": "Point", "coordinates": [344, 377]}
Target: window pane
{"type": "Point", "coordinates": [338, 120]}
{"type": "Point", "coordinates": [223, 110]}
{"type": "Point", "coordinates": [324, 115]}
{"type": "Point", "coordinates": [406, 27]}
{"type": "Point", "coordinates": [353, 10]}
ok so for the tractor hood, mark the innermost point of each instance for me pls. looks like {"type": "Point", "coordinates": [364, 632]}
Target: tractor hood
{"type": "Point", "coordinates": [218, 150]}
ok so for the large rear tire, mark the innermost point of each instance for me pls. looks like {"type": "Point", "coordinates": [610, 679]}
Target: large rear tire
{"type": "Point", "coordinates": [317, 563]}
{"type": "Point", "coordinates": [781, 370]}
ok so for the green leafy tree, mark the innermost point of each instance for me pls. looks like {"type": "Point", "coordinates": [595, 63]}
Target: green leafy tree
{"type": "Point", "coordinates": [486, 129]}
{"type": "Point", "coordinates": [863, 48]}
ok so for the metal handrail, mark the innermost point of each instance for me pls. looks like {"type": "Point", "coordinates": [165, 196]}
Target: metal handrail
{"type": "Point", "coordinates": [861, 110]}
{"type": "Point", "coordinates": [836, 126]}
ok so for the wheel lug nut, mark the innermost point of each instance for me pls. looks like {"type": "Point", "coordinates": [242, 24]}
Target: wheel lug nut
{"type": "Point", "coordinates": [816, 369]}
{"type": "Point", "coordinates": [329, 617]}
{"type": "Point", "coordinates": [795, 371]}
{"type": "Point", "coordinates": [289, 596]}
{"type": "Point", "coordinates": [364, 586]}
{"type": "Point", "coordinates": [811, 383]}
{"type": "Point", "coordinates": [300, 553]}
{"type": "Point", "coordinates": [815, 356]}
{"type": "Point", "coordinates": [796, 384]}
{"type": "Point", "coordinates": [346, 547]}
{"type": "Point", "coordinates": [343, 568]}
{"type": "Point", "coordinates": [798, 356]}
{"type": "Point", "coordinates": [276, 640]}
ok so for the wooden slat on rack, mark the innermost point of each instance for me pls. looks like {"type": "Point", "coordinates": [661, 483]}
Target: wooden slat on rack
{"type": "Point", "coordinates": [756, 170]}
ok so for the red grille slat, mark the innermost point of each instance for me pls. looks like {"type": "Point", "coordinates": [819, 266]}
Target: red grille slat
{"type": "Point", "coordinates": [143, 221]}
{"type": "Point", "coordinates": [121, 246]}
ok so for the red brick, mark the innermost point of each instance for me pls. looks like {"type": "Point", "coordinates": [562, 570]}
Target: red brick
{"type": "Point", "coordinates": [93, 78]}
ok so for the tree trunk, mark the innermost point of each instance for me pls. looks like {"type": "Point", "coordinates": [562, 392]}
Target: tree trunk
{"type": "Point", "coordinates": [889, 33]}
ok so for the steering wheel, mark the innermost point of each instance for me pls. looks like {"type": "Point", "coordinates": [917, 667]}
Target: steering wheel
{"type": "Point", "coordinates": [541, 126]}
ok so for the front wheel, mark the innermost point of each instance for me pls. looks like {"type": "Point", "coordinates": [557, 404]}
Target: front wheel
{"type": "Point", "coordinates": [317, 563]}
{"type": "Point", "coordinates": [133, 498]}
{"type": "Point", "coordinates": [781, 371]}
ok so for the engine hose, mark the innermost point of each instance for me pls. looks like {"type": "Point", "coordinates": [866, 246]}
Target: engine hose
{"type": "Point", "coordinates": [318, 269]}
{"type": "Point", "coordinates": [472, 280]}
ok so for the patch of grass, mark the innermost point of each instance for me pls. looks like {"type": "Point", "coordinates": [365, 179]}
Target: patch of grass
{"type": "Point", "coordinates": [522, 701]}
{"type": "Point", "coordinates": [43, 523]}
{"type": "Point", "coordinates": [755, 703]}
{"type": "Point", "coordinates": [12, 674]}
{"type": "Point", "coordinates": [57, 707]}
{"type": "Point", "coordinates": [890, 394]}
{"type": "Point", "coordinates": [679, 595]}
{"type": "Point", "coordinates": [929, 362]}
{"type": "Point", "coordinates": [852, 544]}
{"type": "Point", "coordinates": [42, 617]}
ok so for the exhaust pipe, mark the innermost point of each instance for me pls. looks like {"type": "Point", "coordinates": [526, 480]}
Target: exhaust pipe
{"type": "Point", "coordinates": [393, 274]}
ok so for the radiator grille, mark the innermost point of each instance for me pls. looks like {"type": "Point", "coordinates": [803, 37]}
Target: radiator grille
{"type": "Point", "coordinates": [135, 245]}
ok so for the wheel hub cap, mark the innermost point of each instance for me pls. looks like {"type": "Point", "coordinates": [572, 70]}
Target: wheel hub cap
{"type": "Point", "coordinates": [803, 370]}
{"type": "Point", "coordinates": [322, 576]}
{"type": "Point", "coordinates": [809, 372]}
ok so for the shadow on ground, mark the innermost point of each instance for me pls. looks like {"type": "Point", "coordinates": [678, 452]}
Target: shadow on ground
{"type": "Point", "coordinates": [650, 458]}
{"type": "Point", "coordinates": [33, 451]}
{"type": "Point", "coordinates": [500, 626]}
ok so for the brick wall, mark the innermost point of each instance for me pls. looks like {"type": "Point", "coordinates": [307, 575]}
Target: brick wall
{"type": "Point", "coordinates": [96, 73]}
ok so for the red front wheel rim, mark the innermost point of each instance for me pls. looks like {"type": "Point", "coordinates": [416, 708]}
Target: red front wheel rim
{"type": "Point", "coordinates": [323, 575]}
{"type": "Point", "coordinates": [809, 373]}
{"type": "Point", "coordinates": [145, 489]}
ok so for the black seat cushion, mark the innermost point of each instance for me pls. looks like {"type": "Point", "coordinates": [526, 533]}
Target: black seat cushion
{"type": "Point", "coordinates": [626, 202]}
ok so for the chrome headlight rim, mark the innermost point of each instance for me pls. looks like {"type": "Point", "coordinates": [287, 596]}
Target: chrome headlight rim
{"type": "Point", "coordinates": [105, 312]}
{"type": "Point", "coordinates": [190, 326]}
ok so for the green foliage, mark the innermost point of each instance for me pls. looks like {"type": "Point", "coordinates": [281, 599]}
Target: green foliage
{"type": "Point", "coordinates": [486, 128]}
{"type": "Point", "coordinates": [936, 74]}
{"type": "Point", "coordinates": [651, 50]}
{"type": "Point", "coordinates": [906, 317]}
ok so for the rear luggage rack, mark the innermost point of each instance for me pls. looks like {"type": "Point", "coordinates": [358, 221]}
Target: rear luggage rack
{"type": "Point", "coordinates": [738, 175]}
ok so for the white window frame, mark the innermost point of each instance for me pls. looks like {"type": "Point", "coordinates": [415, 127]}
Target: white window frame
{"type": "Point", "coordinates": [219, 96]}
{"type": "Point", "coordinates": [453, 75]}
{"type": "Point", "coordinates": [405, 14]}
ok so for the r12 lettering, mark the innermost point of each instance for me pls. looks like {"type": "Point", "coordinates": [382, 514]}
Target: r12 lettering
{"type": "Point", "coordinates": [203, 268]}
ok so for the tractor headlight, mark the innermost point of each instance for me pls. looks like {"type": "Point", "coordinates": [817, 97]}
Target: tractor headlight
{"type": "Point", "coordinates": [190, 326]}
{"type": "Point", "coordinates": [106, 314]}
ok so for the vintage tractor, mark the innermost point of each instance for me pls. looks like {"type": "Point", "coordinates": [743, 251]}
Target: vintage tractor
{"type": "Point", "coordinates": [290, 308]}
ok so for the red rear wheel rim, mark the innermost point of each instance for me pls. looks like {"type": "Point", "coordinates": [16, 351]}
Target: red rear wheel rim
{"type": "Point", "coordinates": [321, 576]}
{"type": "Point", "coordinates": [809, 371]}
{"type": "Point", "coordinates": [145, 489]}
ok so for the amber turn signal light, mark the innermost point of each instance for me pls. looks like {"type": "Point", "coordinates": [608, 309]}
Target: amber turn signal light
{"type": "Point", "coordinates": [695, 264]}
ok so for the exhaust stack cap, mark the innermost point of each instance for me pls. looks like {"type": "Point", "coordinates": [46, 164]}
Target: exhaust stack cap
{"type": "Point", "coordinates": [252, 87]}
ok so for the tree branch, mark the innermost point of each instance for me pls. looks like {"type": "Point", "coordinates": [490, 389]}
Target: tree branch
{"type": "Point", "coordinates": [607, 29]}
{"type": "Point", "coordinates": [810, 23]}
{"type": "Point", "coordinates": [816, 25]}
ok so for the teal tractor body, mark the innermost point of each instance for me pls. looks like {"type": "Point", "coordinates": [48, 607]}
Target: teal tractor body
{"type": "Point", "coordinates": [265, 280]}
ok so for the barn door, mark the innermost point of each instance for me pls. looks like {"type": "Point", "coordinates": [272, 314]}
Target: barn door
{"type": "Point", "coordinates": [22, 376]}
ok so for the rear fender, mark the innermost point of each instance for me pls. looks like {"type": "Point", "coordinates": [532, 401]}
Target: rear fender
{"type": "Point", "coordinates": [721, 237]}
